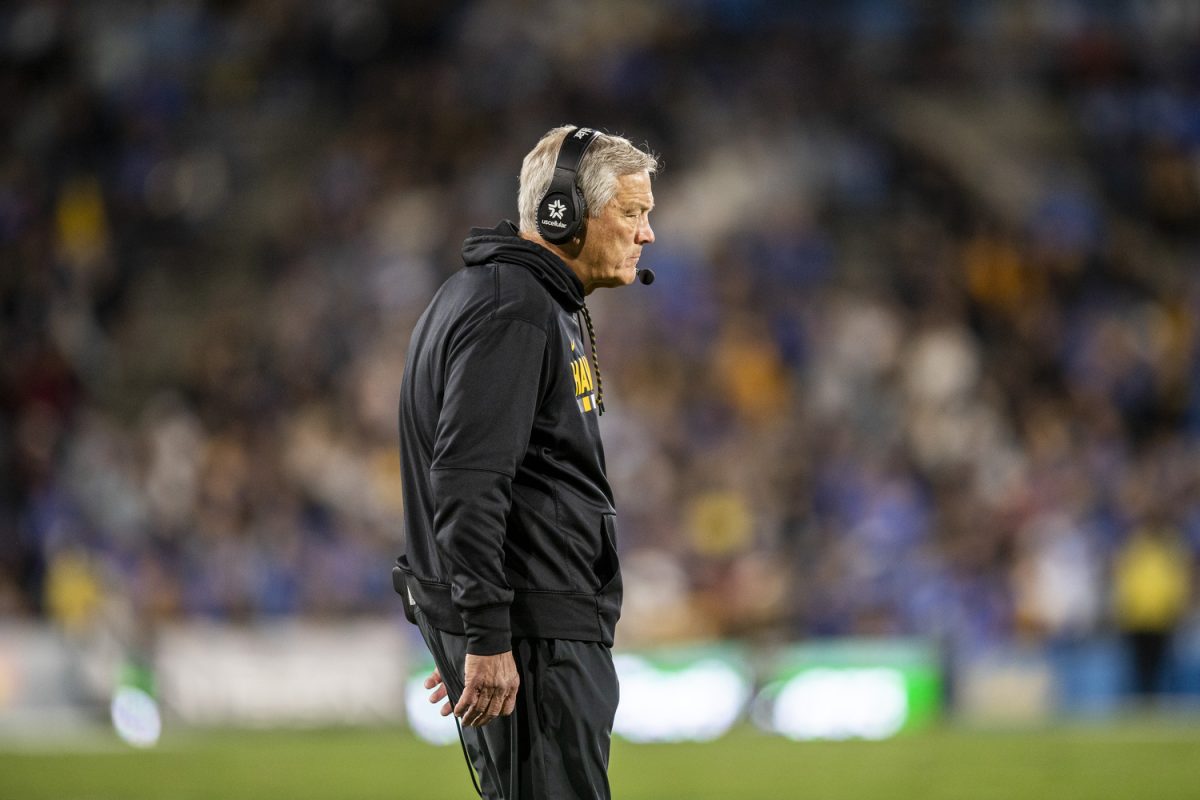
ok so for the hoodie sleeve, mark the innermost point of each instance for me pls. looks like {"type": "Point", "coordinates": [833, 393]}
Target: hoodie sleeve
{"type": "Point", "coordinates": [491, 397]}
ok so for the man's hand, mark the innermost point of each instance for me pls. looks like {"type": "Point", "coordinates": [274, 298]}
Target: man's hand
{"type": "Point", "coordinates": [434, 681]}
{"type": "Point", "coordinates": [490, 692]}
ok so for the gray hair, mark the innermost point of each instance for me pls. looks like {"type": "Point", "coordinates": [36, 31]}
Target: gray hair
{"type": "Point", "coordinates": [608, 158]}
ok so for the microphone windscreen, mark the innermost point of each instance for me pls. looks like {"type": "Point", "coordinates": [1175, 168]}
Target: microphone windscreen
{"type": "Point", "coordinates": [646, 275]}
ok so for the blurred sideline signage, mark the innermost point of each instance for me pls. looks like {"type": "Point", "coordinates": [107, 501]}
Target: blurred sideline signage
{"type": "Point", "coordinates": [1006, 686]}
{"type": "Point", "coordinates": [353, 673]}
{"type": "Point", "coordinates": [854, 689]}
{"type": "Point", "coordinates": [42, 689]}
{"type": "Point", "coordinates": [371, 672]}
{"type": "Point", "coordinates": [290, 673]}
{"type": "Point", "coordinates": [850, 689]}
{"type": "Point", "coordinates": [684, 694]}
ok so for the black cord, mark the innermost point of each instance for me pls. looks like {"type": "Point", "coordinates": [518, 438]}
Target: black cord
{"type": "Point", "coordinates": [514, 782]}
{"type": "Point", "coordinates": [450, 681]}
{"type": "Point", "coordinates": [587, 318]}
{"type": "Point", "coordinates": [470, 767]}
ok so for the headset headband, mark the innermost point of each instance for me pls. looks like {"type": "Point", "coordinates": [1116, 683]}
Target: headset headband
{"type": "Point", "coordinates": [574, 145]}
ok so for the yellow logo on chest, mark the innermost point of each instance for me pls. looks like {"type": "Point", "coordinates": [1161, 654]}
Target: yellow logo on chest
{"type": "Point", "coordinates": [581, 371]}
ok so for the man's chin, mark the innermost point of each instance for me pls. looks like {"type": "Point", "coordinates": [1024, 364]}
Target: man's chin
{"type": "Point", "coordinates": [621, 278]}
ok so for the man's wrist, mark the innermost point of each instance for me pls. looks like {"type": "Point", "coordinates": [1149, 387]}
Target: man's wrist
{"type": "Point", "coordinates": [488, 630]}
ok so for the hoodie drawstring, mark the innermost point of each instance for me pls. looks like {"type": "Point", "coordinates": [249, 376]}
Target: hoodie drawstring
{"type": "Point", "coordinates": [587, 318]}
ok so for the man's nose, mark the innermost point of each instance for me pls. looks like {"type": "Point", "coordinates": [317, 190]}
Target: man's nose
{"type": "Point", "coordinates": [645, 234]}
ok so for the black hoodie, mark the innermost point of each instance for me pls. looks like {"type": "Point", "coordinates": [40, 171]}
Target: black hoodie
{"type": "Point", "coordinates": [510, 524]}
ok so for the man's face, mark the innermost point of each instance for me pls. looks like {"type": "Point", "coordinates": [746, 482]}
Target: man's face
{"type": "Point", "coordinates": [615, 238]}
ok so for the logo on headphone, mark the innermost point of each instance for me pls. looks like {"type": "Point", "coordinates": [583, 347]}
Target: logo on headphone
{"type": "Point", "coordinates": [556, 209]}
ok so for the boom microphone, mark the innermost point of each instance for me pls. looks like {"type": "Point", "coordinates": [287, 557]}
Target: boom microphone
{"type": "Point", "coordinates": [644, 274]}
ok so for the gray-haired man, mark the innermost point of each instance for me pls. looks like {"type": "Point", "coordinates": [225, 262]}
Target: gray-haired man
{"type": "Point", "coordinates": [511, 566]}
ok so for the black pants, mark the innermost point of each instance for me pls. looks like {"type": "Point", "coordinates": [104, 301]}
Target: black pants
{"type": "Point", "coordinates": [1149, 650]}
{"type": "Point", "coordinates": [562, 722]}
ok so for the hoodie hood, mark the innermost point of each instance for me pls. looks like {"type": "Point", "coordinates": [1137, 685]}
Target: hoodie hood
{"type": "Point", "coordinates": [503, 244]}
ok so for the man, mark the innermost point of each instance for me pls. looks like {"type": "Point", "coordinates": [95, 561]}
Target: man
{"type": "Point", "coordinates": [1152, 577]}
{"type": "Point", "coordinates": [511, 566]}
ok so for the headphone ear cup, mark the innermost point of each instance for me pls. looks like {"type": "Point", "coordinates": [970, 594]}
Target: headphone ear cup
{"type": "Point", "coordinates": [579, 210]}
{"type": "Point", "coordinates": [561, 210]}
{"type": "Point", "coordinates": [556, 217]}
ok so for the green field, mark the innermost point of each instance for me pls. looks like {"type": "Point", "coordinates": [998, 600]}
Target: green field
{"type": "Point", "coordinates": [1152, 760]}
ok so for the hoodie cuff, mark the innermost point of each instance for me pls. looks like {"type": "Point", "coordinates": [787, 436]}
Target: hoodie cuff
{"type": "Point", "coordinates": [488, 631]}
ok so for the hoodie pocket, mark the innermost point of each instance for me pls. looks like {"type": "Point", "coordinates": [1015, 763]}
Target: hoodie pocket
{"type": "Point", "coordinates": [608, 599]}
{"type": "Point", "coordinates": [608, 565]}
{"type": "Point", "coordinates": [532, 549]}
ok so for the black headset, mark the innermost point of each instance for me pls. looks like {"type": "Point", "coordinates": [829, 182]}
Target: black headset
{"type": "Point", "coordinates": [562, 208]}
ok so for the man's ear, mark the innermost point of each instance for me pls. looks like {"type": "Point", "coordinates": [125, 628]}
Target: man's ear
{"type": "Point", "coordinates": [574, 247]}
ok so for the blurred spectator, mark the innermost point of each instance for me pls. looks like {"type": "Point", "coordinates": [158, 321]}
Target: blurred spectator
{"type": "Point", "coordinates": [1151, 591]}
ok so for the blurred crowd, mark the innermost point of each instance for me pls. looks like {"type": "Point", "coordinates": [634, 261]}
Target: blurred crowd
{"type": "Point", "coordinates": [864, 397]}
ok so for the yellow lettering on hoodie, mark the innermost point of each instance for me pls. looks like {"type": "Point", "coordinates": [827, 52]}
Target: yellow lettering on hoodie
{"type": "Point", "coordinates": [581, 373]}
